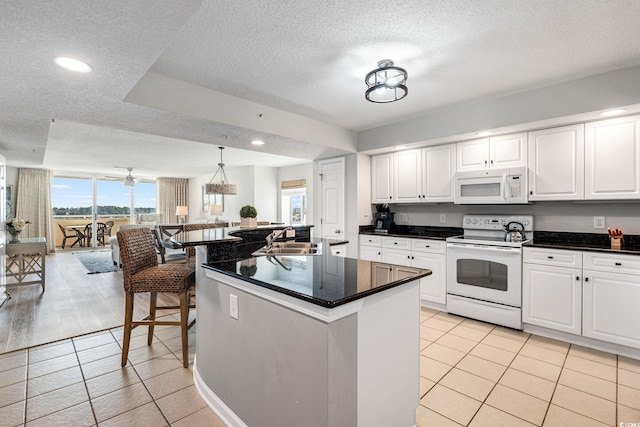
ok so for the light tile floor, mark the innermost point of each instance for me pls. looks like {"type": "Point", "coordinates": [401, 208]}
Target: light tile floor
{"type": "Point", "coordinates": [472, 374]}
{"type": "Point", "coordinates": [477, 374]}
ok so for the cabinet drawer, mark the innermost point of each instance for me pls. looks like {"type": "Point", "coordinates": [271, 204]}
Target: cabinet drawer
{"type": "Point", "coordinates": [339, 250]}
{"type": "Point", "coordinates": [396, 242]}
{"type": "Point", "coordinates": [614, 263]}
{"type": "Point", "coordinates": [558, 257]}
{"type": "Point", "coordinates": [432, 246]}
{"type": "Point", "coordinates": [396, 256]}
{"type": "Point", "coordinates": [367, 240]}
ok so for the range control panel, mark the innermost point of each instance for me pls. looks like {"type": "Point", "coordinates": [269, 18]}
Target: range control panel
{"type": "Point", "coordinates": [495, 222]}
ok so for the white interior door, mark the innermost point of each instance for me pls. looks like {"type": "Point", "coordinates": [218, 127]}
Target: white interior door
{"type": "Point", "coordinates": [332, 198]}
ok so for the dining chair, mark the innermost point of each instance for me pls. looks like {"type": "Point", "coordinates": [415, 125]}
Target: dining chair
{"type": "Point", "coordinates": [100, 228]}
{"type": "Point", "coordinates": [143, 274]}
{"type": "Point", "coordinates": [163, 238]}
{"type": "Point", "coordinates": [77, 235]}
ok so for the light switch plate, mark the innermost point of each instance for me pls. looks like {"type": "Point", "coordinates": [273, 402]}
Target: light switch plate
{"type": "Point", "coordinates": [233, 306]}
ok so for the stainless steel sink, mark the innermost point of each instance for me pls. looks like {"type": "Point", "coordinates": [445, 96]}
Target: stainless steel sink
{"type": "Point", "coordinates": [289, 248]}
{"type": "Point", "coordinates": [294, 245]}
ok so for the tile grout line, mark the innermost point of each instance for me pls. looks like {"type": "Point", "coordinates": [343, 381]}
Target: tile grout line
{"type": "Point", "coordinates": [84, 381]}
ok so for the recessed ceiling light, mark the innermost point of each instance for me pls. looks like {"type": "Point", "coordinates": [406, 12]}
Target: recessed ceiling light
{"type": "Point", "coordinates": [257, 142]}
{"type": "Point", "coordinates": [610, 113]}
{"type": "Point", "coordinates": [484, 133]}
{"type": "Point", "coordinates": [73, 64]}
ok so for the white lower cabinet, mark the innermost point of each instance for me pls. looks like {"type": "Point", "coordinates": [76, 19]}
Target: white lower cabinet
{"type": "Point", "coordinates": [431, 254]}
{"type": "Point", "coordinates": [592, 294]}
{"type": "Point", "coordinates": [552, 297]}
{"type": "Point", "coordinates": [398, 258]}
{"type": "Point", "coordinates": [369, 248]}
{"type": "Point", "coordinates": [611, 296]}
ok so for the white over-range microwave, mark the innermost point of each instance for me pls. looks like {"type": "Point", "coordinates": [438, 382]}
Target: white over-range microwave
{"type": "Point", "coordinates": [491, 186]}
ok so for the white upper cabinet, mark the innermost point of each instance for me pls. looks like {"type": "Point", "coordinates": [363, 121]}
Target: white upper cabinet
{"type": "Point", "coordinates": [612, 159]}
{"type": "Point", "coordinates": [556, 163]}
{"type": "Point", "coordinates": [407, 181]}
{"type": "Point", "coordinates": [473, 155]}
{"type": "Point", "coordinates": [506, 151]}
{"type": "Point", "coordinates": [412, 176]}
{"type": "Point", "coordinates": [438, 169]}
{"type": "Point", "coordinates": [382, 178]}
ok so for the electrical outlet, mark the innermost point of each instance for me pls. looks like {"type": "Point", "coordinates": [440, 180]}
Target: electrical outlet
{"type": "Point", "coordinates": [366, 212]}
{"type": "Point", "coordinates": [443, 218]}
{"type": "Point", "coordinates": [233, 306]}
{"type": "Point", "coordinates": [598, 222]}
{"type": "Point", "coordinates": [405, 218]}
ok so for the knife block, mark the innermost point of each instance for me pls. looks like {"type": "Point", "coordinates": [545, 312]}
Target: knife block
{"type": "Point", "coordinates": [616, 242]}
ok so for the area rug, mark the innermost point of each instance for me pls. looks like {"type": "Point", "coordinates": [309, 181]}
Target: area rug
{"type": "Point", "coordinates": [96, 261]}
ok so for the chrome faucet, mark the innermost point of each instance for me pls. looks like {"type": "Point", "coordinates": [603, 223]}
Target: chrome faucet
{"type": "Point", "coordinates": [274, 235]}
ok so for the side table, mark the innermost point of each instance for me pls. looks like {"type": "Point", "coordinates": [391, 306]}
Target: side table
{"type": "Point", "coordinates": [26, 261]}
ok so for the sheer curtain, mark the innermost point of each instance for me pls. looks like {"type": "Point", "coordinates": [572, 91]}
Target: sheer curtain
{"type": "Point", "coordinates": [33, 203]}
{"type": "Point", "coordinates": [170, 193]}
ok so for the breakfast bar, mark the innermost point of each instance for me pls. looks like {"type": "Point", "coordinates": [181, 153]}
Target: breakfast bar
{"type": "Point", "coordinates": [306, 340]}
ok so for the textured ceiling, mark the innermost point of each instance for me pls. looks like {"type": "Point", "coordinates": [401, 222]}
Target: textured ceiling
{"type": "Point", "coordinates": [302, 62]}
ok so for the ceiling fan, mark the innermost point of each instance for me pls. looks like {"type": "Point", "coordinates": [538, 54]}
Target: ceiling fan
{"type": "Point", "coordinates": [129, 180]}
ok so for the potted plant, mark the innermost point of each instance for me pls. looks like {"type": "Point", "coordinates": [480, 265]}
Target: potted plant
{"type": "Point", "coordinates": [248, 216]}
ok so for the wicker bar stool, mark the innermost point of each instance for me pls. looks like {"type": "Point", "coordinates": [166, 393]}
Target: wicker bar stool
{"type": "Point", "coordinates": [142, 273]}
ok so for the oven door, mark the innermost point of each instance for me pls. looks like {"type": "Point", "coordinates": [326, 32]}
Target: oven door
{"type": "Point", "coordinates": [488, 273]}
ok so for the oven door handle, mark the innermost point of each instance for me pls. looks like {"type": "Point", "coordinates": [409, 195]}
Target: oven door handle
{"type": "Point", "coordinates": [500, 249]}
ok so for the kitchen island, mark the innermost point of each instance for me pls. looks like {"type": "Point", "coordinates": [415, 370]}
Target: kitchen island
{"type": "Point", "coordinates": [306, 340]}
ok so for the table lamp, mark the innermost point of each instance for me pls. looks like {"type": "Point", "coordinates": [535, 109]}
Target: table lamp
{"type": "Point", "coordinates": [215, 210]}
{"type": "Point", "coordinates": [182, 212]}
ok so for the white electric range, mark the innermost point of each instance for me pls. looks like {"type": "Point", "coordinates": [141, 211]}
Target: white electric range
{"type": "Point", "coordinates": [484, 271]}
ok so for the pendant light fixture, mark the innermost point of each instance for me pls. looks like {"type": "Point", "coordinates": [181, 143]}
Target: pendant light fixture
{"type": "Point", "coordinates": [387, 83]}
{"type": "Point", "coordinates": [222, 187]}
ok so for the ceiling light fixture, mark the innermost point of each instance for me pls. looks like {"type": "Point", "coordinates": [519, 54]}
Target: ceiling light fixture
{"type": "Point", "coordinates": [257, 142]}
{"type": "Point", "coordinates": [610, 113]}
{"type": "Point", "coordinates": [386, 83]}
{"type": "Point", "coordinates": [73, 64]}
{"type": "Point", "coordinates": [222, 187]}
{"type": "Point", "coordinates": [128, 180]}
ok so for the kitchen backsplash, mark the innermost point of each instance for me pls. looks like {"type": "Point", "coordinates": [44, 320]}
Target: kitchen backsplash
{"type": "Point", "coordinates": [548, 216]}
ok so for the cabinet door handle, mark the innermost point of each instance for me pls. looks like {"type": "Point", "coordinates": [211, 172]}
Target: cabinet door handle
{"type": "Point", "coordinates": [618, 263]}
{"type": "Point", "coordinates": [550, 257]}
{"type": "Point", "coordinates": [485, 163]}
{"type": "Point", "coordinates": [491, 162]}
{"type": "Point", "coordinates": [412, 258]}
{"type": "Point", "coordinates": [395, 243]}
{"type": "Point", "coordinates": [427, 246]}
{"type": "Point", "coordinates": [531, 193]}
{"type": "Point", "coordinates": [577, 277]}
{"type": "Point", "coordinates": [586, 279]}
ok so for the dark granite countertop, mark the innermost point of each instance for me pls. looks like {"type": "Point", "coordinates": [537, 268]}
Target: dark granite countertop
{"type": "Point", "coordinates": [224, 234]}
{"type": "Point", "coordinates": [323, 279]}
{"type": "Point", "coordinates": [598, 242]}
{"type": "Point", "coordinates": [416, 232]}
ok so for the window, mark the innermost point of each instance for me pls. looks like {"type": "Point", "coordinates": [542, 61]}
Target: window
{"type": "Point", "coordinates": [294, 201]}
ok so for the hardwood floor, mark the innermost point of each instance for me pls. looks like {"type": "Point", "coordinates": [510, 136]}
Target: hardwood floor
{"type": "Point", "coordinates": [74, 303]}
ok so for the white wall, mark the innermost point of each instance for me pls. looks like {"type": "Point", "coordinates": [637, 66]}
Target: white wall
{"type": "Point", "coordinates": [266, 193]}
{"type": "Point", "coordinates": [257, 186]}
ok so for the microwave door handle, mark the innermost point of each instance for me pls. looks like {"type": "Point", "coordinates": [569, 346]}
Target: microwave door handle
{"type": "Point", "coordinates": [504, 187]}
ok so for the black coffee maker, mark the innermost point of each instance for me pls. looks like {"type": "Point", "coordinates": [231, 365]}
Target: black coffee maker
{"type": "Point", "coordinates": [383, 220]}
